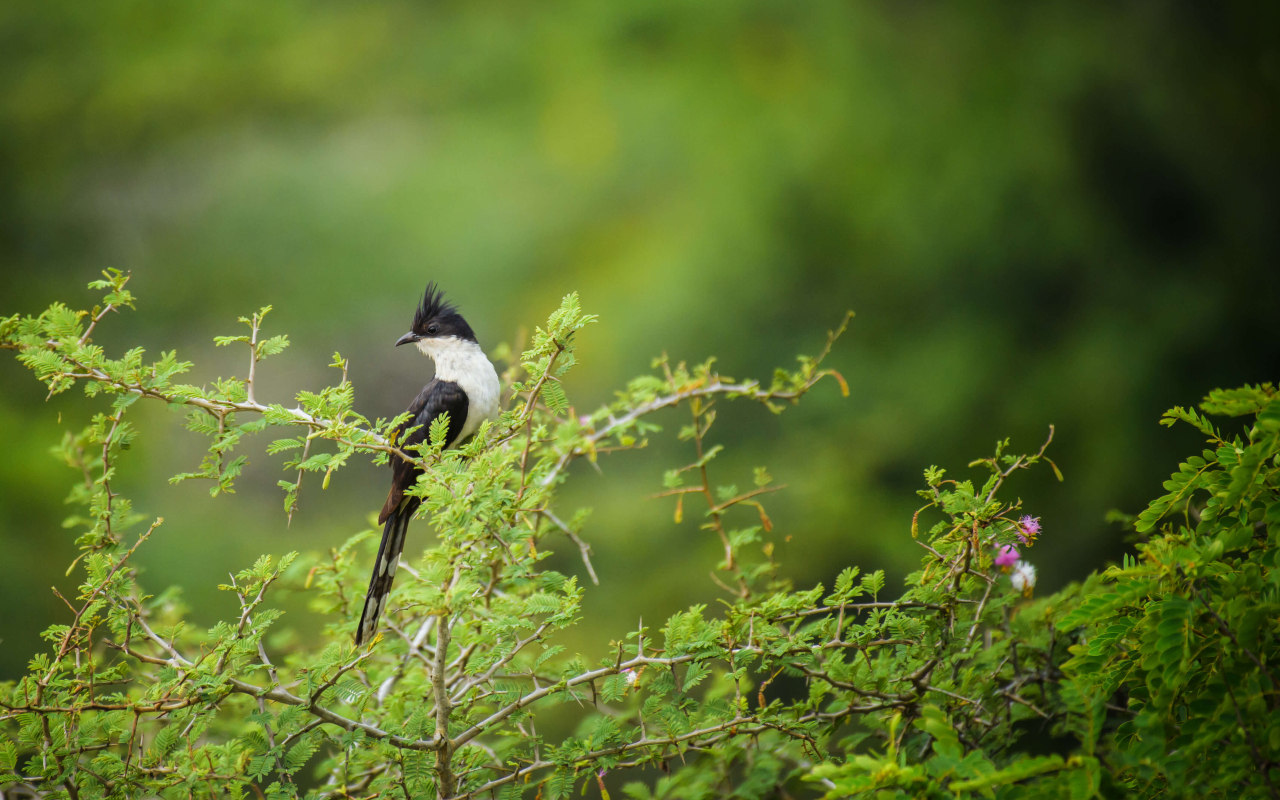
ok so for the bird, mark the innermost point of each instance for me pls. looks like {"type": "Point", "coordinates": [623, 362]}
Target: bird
{"type": "Point", "coordinates": [466, 388]}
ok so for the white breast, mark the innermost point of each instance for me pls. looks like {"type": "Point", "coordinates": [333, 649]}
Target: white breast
{"type": "Point", "coordinates": [464, 363]}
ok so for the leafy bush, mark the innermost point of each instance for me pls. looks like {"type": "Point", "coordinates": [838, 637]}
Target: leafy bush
{"type": "Point", "coordinates": [1160, 670]}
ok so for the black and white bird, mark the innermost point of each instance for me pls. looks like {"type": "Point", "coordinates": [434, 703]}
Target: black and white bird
{"type": "Point", "coordinates": [465, 387]}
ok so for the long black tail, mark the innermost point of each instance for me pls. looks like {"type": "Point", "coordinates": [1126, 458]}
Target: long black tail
{"type": "Point", "coordinates": [384, 571]}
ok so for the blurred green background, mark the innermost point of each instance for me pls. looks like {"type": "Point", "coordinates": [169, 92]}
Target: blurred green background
{"type": "Point", "coordinates": [1042, 212]}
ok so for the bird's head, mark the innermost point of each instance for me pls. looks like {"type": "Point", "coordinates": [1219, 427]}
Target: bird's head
{"type": "Point", "coordinates": [436, 323]}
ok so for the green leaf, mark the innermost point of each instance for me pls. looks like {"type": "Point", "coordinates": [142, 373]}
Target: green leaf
{"type": "Point", "coordinates": [1020, 770]}
{"type": "Point", "coordinates": [300, 754]}
{"type": "Point", "coordinates": [553, 395]}
{"type": "Point", "coordinates": [438, 433]}
{"type": "Point", "coordinates": [1237, 402]}
{"type": "Point", "coordinates": [873, 583]}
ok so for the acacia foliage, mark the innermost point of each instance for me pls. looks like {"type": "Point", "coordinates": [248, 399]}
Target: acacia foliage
{"type": "Point", "coordinates": [1160, 670]}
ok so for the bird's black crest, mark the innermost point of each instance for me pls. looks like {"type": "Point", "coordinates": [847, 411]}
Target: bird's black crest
{"type": "Point", "coordinates": [435, 309]}
{"type": "Point", "coordinates": [433, 305]}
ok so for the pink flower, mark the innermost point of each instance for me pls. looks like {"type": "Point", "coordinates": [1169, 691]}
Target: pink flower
{"type": "Point", "coordinates": [1007, 556]}
{"type": "Point", "coordinates": [1028, 528]}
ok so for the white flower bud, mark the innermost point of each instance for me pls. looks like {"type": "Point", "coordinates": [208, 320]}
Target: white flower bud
{"type": "Point", "coordinates": [1023, 577]}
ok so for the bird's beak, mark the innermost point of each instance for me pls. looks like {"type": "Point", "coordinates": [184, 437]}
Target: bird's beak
{"type": "Point", "coordinates": [408, 338]}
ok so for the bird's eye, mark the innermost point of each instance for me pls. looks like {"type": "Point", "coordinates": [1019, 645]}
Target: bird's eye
{"type": "Point", "coordinates": [432, 328]}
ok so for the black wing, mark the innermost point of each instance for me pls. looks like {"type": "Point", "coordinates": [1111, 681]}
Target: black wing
{"type": "Point", "coordinates": [435, 398]}
{"type": "Point", "coordinates": [438, 397]}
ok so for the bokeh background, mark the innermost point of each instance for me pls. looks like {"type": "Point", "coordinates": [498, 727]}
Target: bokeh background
{"type": "Point", "coordinates": [1057, 212]}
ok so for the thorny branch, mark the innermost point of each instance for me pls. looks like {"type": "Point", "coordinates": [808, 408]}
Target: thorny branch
{"type": "Point", "coordinates": [471, 707]}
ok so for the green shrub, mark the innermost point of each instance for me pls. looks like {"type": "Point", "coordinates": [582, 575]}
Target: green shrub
{"type": "Point", "coordinates": [1161, 670]}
